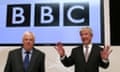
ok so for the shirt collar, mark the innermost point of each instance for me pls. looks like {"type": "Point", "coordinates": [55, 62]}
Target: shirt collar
{"type": "Point", "coordinates": [89, 46]}
{"type": "Point", "coordinates": [24, 51]}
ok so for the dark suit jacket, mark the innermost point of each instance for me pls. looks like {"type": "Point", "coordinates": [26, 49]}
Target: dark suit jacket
{"type": "Point", "coordinates": [15, 62]}
{"type": "Point", "coordinates": [77, 58]}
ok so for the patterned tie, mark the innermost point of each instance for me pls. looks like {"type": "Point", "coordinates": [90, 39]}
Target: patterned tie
{"type": "Point", "coordinates": [26, 61]}
{"type": "Point", "coordinates": [86, 53]}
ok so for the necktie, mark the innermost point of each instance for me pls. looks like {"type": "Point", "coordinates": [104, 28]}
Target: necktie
{"type": "Point", "coordinates": [86, 53]}
{"type": "Point", "coordinates": [26, 61]}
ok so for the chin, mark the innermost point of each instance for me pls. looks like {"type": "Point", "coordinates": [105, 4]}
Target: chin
{"type": "Point", "coordinates": [86, 42]}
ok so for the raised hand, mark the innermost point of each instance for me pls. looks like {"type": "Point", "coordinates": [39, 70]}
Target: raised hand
{"type": "Point", "coordinates": [105, 52]}
{"type": "Point", "coordinates": [60, 49]}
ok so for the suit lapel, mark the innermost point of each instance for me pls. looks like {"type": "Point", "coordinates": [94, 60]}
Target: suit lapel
{"type": "Point", "coordinates": [20, 60]}
{"type": "Point", "coordinates": [91, 53]}
{"type": "Point", "coordinates": [82, 54]}
{"type": "Point", "coordinates": [32, 61]}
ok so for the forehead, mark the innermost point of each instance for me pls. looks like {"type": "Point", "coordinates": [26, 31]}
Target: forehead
{"type": "Point", "coordinates": [28, 35]}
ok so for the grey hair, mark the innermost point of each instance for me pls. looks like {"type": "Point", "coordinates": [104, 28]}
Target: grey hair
{"type": "Point", "coordinates": [28, 33]}
{"type": "Point", "coordinates": [86, 28]}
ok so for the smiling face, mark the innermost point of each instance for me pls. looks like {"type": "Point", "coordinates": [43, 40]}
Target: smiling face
{"type": "Point", "coordinates": [86, 35]}
{"type": "Point", "coordinates": [28, 41]}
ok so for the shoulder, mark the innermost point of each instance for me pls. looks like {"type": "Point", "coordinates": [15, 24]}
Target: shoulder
{"type": "Point", "coordinates": [77, 48]}
{"type": "Point", "coordinates": [38, 51]}
{"type": "Point", "coordinates": [97, 47]}
{"type": "Point", "coordinates": [15, 50]}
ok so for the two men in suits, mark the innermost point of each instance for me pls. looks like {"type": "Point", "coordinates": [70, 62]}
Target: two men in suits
{"type": "Point", "coordinates": [87, 57]}
{"type": "Point", "coordinates": [26, 58]}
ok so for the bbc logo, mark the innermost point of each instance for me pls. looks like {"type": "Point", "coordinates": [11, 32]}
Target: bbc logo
{"type": "Point", "coordinates": [74, 14]}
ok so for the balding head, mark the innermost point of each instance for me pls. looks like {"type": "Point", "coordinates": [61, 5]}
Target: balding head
{"type": "Point", "coordinates": [28, 40]}
{"type": "Point", "coordinates": [28, 33]}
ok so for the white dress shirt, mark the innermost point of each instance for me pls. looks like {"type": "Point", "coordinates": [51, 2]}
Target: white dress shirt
{"type": "Point", "coordinates": [24, 54]}
{"type": "Point", "coordinates": [89, 49]}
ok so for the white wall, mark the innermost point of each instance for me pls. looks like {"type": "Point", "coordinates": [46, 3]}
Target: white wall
{"type": "Point", "coordinates": [53, 63]}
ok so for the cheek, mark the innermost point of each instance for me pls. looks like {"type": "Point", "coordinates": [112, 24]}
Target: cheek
{"type": "Point", "coordinates": [28, 43]}
{"type": "Point", "coordinates": [24, 42]}
{"type": "Point", "coordinates": [86, 39]}
{"type": "Point", "coordinates": [90, 37]}
{"type": "Point", "coordinates": [31, 42]}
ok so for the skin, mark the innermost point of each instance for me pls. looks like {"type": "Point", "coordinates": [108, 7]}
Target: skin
{"type": "Point", "coordinates": [28, 41]}
{"type": "Point", "coordinates": [86, 37]}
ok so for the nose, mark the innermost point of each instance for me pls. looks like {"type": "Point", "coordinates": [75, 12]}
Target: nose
{"type": "Point", "coordinates": [28, 41]}
{"type": "Point", "coordinates": [84, 36]}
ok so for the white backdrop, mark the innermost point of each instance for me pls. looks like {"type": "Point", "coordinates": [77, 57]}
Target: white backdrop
{"type": "Point", "coordinates": [53, 63]}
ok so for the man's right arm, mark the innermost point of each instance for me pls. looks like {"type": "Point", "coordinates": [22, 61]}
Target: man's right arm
{"type": "Point", "coordinates": [68, 61]}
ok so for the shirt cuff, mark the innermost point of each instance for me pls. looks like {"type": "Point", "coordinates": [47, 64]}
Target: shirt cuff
{"type": "Point", "coordinates": [105, 61]}
{"type": "Point", "coordinates": [62, 58]}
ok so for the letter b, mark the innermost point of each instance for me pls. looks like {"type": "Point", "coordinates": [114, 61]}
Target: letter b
{"type": "Point", "coordinates": [47, 14]}
{"type": "Point", "coordinates": [18, 15]}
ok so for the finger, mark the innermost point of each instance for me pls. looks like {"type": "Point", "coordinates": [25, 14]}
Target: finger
{"type": "Point", "coordinates": [55, 47]}
{"type": "Point", "coordinates": [58, 48]}
{"type": "Point", "coordinates": [101, 52]}
{"type": "Point", "coordinates": [59, 44]}
{"type": "Point", "coordinates": [106, 48]}
{"type": "Point", "coordinates": [110, 51]}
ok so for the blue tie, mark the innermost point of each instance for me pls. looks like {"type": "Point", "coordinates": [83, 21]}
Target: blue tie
{"type": "Point", "coordinates": [26, 61]}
